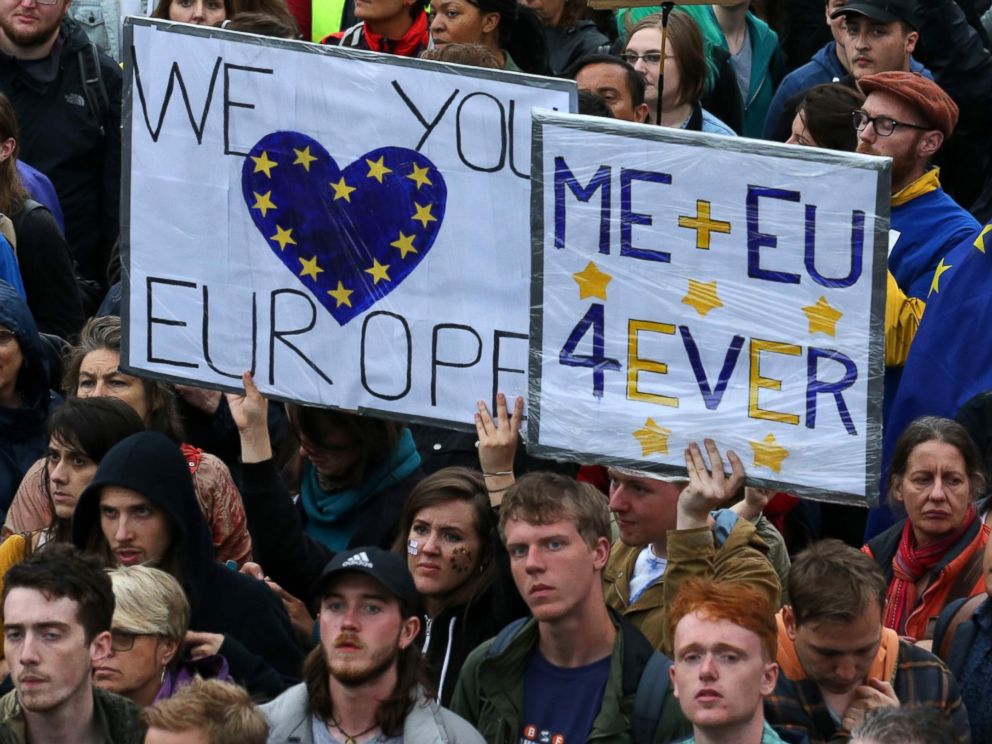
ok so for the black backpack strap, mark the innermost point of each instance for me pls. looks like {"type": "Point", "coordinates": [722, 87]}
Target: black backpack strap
{"type": "Point", "coordinates": [506, 635]}
{"type": "Point", "coordinates": [93, 87]}
{"type": "Point", "coordinates": [649, 700]}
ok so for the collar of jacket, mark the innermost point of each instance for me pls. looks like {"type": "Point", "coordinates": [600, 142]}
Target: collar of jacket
{"type": "Point", "coordinates": [616, 581]}
{"type": "Point", "coordinates": [929, 181]}
{"type": "Point", "coordinates": [883, 666]}
{"type": "Point", "coordinates": [502, 677]}
{"type": "Point", "coordinates": [117, 717]}
{"type": "Point", "coordinates": [409, 45]}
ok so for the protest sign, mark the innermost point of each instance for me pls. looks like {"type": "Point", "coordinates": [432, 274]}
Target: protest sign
{"type": "Point", "coordinates": [352, 227]}
{"type": "Point", "coordinates": [690, 285]}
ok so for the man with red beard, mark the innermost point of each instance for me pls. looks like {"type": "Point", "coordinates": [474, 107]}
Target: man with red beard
{"type": "Point", "coordinates": [70, 129]}
{"type": "Point", "coordinates": [362, 681]}
{"type": "Point", "coordinates": [907, 118]}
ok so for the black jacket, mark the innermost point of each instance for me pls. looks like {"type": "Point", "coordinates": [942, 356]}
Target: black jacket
{"type": "Point", "coordinates": [954, 52]}
{"type": "Point", "coordinates": [221, 600]}
{"type": "Point", "coordinates": [78, 148]}
{"type": "Point", "coordinates": [48, 272]}
{"type": "Point", "coordinates": [453, 634]}
{"type": "Point", "coordinates": [289, 556]}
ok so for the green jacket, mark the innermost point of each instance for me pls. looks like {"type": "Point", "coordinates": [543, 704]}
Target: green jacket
{"type": "Point", "coordinates": [490, 690]}
{"type": "Point", "coordinates": [742, 558]}
{"type": "Point", "coordinates": [118, 718]}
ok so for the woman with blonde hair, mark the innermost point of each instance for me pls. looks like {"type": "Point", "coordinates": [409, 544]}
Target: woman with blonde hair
{"type": "Point", "coordinates": [148, 633]}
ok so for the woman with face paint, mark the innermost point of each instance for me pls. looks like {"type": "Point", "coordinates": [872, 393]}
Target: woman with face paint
{"type": "Point", "coordinates": [460, 566]}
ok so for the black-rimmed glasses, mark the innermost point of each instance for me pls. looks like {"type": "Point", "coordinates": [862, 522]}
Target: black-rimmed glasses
{"type": "Point", "coordinates": [884, 125]}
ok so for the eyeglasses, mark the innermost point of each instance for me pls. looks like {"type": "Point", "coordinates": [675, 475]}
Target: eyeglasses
{"type": "Point", "coordinates": [884, 125]}
{"type": "Point", "coordinates": [650, 58]}
{"type": "Point", "coordinates": [7, 337]}
{"type": "Point", "coordinates": [122, 641]}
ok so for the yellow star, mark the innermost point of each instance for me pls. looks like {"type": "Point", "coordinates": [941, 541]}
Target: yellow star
{"type": "Point", "coordinates": [304, 158]}
{"type": "Point", "coordinates": [310, 268]}
{"type": "Point", "coordinates": [377, 169]}
{"type": "Point", "coordinates": [420, 176]}
{"type": "Point", "coordinates": [653, 438]}
{"type": "Point", "coordinates": [935, 284]}
{"type": "Point", "coordinates": [405, 244]}
{"type": "Point", "coordinates": [342, 295]}
{"type": "Point", "coordinates": [424, 214]}
{"type": "Point", "coordinates": [263, 164]}
{"type": "Point", "coordinates": [702, 297]}
{"type": "Point", "coordinates": [283, 237]}
{"type": "Point", "coordinates": [980, 240]}
{"type": "Point", "coordinates": [768, 453]}
{"type": "Point", "coordinates": [592, 282]}
{"type": "Point", "coordinates": [823, 317]}
{"type": "Point", "coordinates": [263, 202]}
{"type": "Point", "coordinates": [342, 190]}
{"type": "Point", "coordinates": [378, 271]}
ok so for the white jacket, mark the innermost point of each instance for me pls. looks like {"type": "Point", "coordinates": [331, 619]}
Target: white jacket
{"type": "Point", "coordinates": [427, 723]}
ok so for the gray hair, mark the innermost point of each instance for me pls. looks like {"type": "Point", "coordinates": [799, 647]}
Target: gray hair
{"type": "Point", "coordinates": [904, 726]}
{"type": "Point", "coordinates": [149, 602]}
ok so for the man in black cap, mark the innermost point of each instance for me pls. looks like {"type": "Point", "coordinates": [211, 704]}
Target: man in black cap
{"type": "Point", "coordinates": [362, 681]}
{"type": "Point", "coordinates": [880, 35]}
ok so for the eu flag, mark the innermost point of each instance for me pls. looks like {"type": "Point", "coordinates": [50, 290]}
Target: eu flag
{"type": "Point", "coordinates": [950, 360]}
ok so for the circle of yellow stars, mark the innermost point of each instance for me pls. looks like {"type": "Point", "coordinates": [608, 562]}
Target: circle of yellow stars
{"type": "Point", "coordinates": [378, 170]}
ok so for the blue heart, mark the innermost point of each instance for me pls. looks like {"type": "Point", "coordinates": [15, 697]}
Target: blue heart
{"type": "Point", "coordinates": [349, 236]}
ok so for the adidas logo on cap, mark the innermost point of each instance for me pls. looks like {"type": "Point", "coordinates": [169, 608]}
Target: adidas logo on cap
{"type": "Point", "coordinates": [359, 559]}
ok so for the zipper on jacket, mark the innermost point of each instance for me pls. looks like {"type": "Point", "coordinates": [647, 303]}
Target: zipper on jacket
{"type": "Point", "coordinates": [428, 621]}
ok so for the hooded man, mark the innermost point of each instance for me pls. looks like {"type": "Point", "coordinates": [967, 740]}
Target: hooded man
{"type": "Point", "coordinates": [141, 508]}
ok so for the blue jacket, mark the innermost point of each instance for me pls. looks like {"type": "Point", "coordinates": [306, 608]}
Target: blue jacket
{"type": "Point", "coordinates": [9, 270]}
{"type": "Point", "coordinates": [823, 68]}
{"type": "Point", "coordinates": [929, 227]}
{"type": "Point", "coordinates": [22, 429]}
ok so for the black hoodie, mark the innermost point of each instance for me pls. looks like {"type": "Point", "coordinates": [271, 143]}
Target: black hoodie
{"type": "Point", "coordinates": [257, 631]}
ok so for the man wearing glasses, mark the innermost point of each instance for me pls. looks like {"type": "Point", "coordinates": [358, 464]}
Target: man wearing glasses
{"type": "Point", "coordinates": [907, 117]}
{"type": "Point", "coordinates": [70, 129]}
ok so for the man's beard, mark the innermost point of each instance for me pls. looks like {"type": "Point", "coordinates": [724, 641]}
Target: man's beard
{"type": "Point", "coordinates": [350, 675]}
{"type": "Point", "coordinates": [29, 39]}
{"type": "Point", "coordinates": [902, 165]}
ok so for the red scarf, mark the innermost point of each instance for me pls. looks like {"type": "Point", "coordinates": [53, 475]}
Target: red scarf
{"type": "Point", "coordinates": [910, 564]}
{"type": "Point", "coordinates": [411, 44]}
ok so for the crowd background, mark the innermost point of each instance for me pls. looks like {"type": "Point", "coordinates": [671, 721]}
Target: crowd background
{"type": "Point", "coordinates": [233, 528]}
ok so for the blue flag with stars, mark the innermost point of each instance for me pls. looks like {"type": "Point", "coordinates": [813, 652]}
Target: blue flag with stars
{"type": "Point", "coordinates": [950, 360]}
{"type": "Point", "coordinates": [349, 235]}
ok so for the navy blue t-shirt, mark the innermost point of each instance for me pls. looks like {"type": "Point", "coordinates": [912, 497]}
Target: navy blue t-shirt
{"type": "Point", "coordinates": [560, 704]}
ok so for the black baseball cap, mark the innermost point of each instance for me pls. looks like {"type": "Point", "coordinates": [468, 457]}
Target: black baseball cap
{"type": "Point", "coordinates": [387, 568]}
{"type": "Point", "coordinates": [883, 11]}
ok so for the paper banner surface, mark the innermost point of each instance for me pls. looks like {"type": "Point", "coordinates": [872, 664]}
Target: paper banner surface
{"type": "Point", "coordinates": [690, 286]}
{"type": "Point", "coordinates": [353, 227]}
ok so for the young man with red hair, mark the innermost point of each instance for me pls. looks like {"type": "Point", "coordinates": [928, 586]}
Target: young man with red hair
{"type": "Point", "coordinates": [724, 638]}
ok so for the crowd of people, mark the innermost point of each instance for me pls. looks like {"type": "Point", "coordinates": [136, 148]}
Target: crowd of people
{"type": "Point", "coordinates": [182, 565]}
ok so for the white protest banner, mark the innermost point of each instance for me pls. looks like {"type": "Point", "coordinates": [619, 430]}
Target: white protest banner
{"type": "Point", "coordinates": [353, 227]}
{"type": "Point", "coordinates": [691, 286]}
